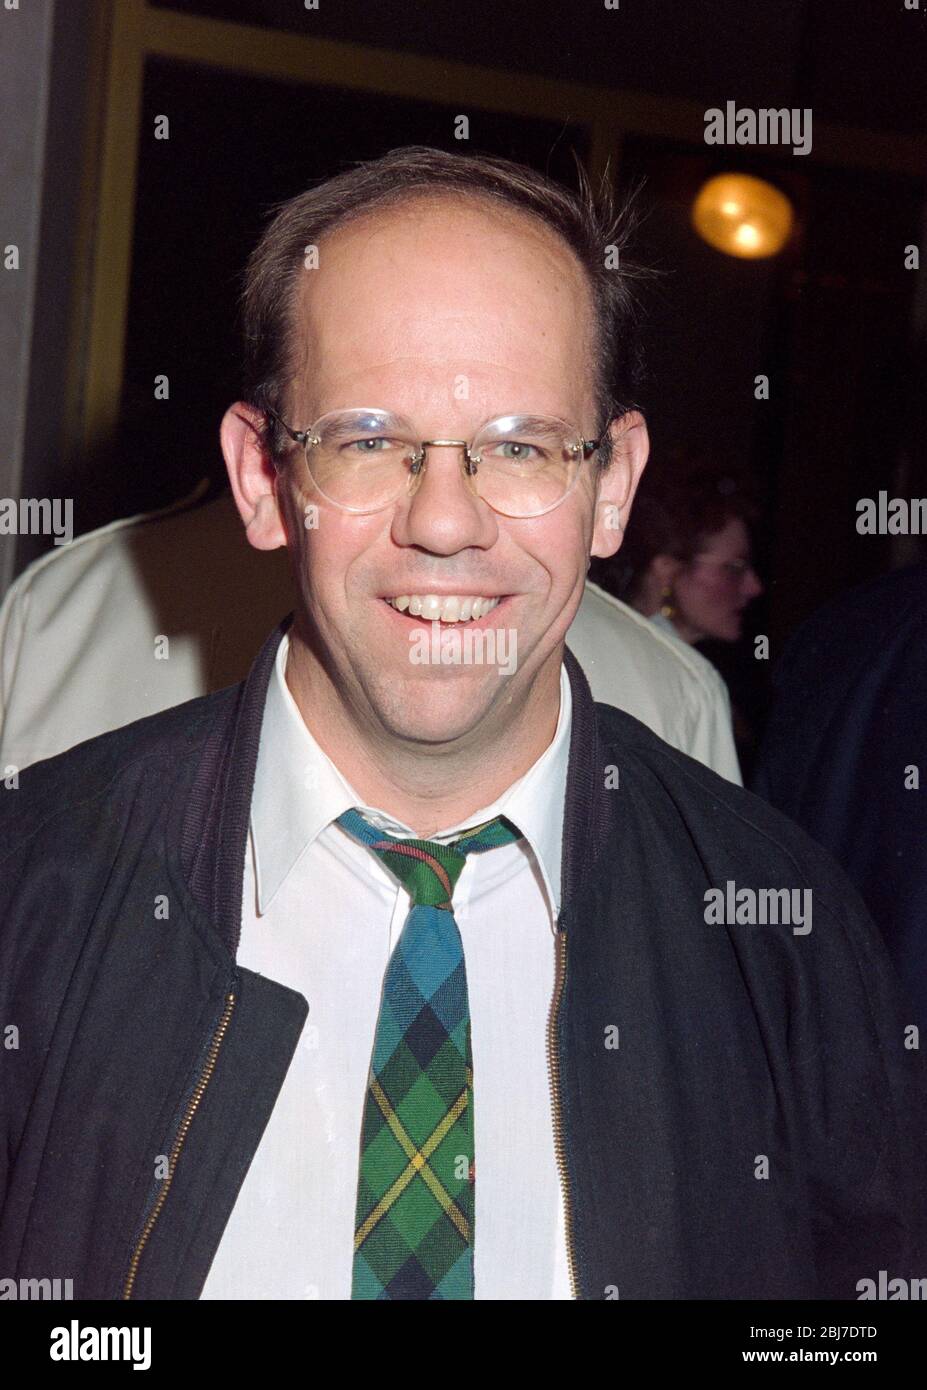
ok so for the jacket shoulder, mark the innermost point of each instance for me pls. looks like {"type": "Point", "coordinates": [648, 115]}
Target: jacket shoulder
{"type": "Point", "coordinates": [161, 745]}
{"type": "Point", "coordinates": [718, 814]}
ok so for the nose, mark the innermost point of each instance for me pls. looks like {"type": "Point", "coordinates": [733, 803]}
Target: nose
{"type": "Point", "coordinates": [753, 585]}
{"type": "Point", "coordinates": [444, 514]}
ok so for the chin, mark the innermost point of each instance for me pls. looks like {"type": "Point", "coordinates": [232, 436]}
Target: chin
{"type": "Point", "coordinates": [436, 704]}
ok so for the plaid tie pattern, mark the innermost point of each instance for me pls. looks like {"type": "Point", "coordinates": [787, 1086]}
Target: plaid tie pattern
{"type": "Point", "coordinates": [415, 1193]}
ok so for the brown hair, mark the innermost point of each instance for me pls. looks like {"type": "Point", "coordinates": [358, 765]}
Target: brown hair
{"type": "Point", "coordinates": [591, 225]}
{"type": "Point", "coordinates": [683, 498]}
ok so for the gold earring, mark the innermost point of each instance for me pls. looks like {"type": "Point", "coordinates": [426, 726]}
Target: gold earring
{"type": "Point", "coordinates": [667, 607]}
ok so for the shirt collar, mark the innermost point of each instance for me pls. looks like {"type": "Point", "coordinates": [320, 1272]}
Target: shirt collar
{"type": "Point", "coordinates": [298, 791]}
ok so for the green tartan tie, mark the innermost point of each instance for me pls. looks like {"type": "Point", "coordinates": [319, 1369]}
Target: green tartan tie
{"type": "Point", "coordinates": [415, 1192]}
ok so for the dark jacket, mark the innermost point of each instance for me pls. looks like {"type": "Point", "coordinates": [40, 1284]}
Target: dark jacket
{"type": "Point", "coordinates": [858, 667]}
{"type": "Point", "coordinates": [739, 1048]}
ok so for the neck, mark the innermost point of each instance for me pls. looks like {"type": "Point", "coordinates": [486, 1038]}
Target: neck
{"type": "Point", "coordinates": [426, 786]}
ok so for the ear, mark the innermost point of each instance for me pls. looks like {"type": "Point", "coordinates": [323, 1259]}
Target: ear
{"type": "Point", "coordinates": [252, 476]}
{"type": "Point", "coordinates": [616, 486]}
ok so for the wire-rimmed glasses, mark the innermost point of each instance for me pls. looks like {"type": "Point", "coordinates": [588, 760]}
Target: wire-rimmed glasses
{"type": "Point", "coordinates": [365, 459]}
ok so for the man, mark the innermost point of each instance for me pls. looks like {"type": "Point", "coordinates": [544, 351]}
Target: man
{"type": "Point", "coordinates": [852, 776]}
{"type": "Point", "coordinates": [470, 1013]}
{"type": "Point", "coordinates": [153, 610]}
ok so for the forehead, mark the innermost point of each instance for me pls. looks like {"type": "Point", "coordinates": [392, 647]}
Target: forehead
{"type": "Point", "coordinates": [416, 296]}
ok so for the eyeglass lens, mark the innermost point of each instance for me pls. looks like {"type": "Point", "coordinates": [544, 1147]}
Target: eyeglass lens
{"type": "Point", "coordinates": [522, 465]}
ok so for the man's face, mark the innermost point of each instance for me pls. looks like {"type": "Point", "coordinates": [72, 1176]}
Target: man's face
{"type": "Point", "coordinates": [449, 315]}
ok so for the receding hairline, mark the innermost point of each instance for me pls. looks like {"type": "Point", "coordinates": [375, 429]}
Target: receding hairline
{"type": "Point", "coordinates": [432, 196]}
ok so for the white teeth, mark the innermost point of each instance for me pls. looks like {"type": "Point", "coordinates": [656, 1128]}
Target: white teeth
{"type": "Point", "coordinates": [447, 608]}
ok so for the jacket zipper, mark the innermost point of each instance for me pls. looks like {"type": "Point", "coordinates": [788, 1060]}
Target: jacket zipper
{"type": "Point", "coordinates": [195, 1098]}
{"type": "Point", "coordinates": [553, 1063]}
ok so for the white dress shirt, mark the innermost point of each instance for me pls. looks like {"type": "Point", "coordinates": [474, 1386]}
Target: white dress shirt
{"type": "Point", "coordinates": [321, 914]}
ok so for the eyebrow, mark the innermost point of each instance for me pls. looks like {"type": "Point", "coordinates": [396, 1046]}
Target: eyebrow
{"type": "Point", "coordinates": [347, 429]}
{"type": "Point", "coordinates": [532, 424]}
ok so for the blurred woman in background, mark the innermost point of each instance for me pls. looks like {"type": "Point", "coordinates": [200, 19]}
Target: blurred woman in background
{"type": "Point", "coordinates": [686, 562]}
{"type": "Point", "coordinates": [686, 559]}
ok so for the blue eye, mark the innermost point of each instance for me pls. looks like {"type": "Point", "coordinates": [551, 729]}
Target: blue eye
{"type": "Point", "coordinates": [368, 446]}
{"type": "Point", "coordinates": [517, 451]}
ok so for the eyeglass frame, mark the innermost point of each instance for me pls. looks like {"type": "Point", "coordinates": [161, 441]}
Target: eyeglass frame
{"type": "Point", "coordinates": [587, 447]}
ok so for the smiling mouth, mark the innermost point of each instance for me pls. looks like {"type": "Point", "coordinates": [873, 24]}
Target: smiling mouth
{"type": "Point", "coordinates": [445, 608]}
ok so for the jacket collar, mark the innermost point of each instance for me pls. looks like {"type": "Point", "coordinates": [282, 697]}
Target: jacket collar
{"type": "Point", "coordinates": [218, 810]}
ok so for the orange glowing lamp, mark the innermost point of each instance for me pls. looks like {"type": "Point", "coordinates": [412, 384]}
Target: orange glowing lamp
{"type": "Point", "coordinates": [743, 216]}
